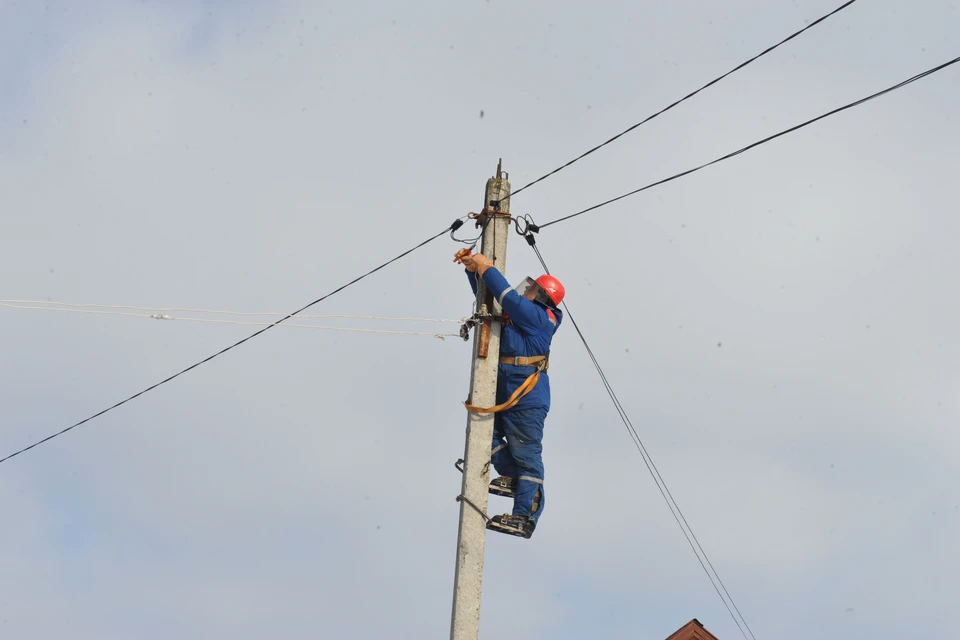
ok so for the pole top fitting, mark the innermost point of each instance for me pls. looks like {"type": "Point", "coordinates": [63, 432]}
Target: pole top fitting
{"type": "Point", "coordinates": [501, 174]}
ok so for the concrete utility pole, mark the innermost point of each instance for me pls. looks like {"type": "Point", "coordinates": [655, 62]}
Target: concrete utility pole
{"type": "Point", "coordinates": [465, 622]}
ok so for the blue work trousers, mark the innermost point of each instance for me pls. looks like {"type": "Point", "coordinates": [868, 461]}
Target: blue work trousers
{"type": "Point", "coordinates": [517, 449]}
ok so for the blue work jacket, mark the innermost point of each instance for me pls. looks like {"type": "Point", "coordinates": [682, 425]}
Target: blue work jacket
{"type": "Point", "coordinates": [527, 332]}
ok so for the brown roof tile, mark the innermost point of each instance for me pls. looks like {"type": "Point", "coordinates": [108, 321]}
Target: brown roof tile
{"type": "Point", "coordinates": [693, 630]}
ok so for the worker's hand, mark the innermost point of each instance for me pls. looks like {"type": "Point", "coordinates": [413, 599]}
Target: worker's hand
{"type": "Point", "coordinates": [460, 258]}
{"type": "Point", "coordinates": [479, 262]}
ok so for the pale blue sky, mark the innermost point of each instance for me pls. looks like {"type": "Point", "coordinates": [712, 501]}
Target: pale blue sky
{"type": "Point", "coordinates": [248, 157]}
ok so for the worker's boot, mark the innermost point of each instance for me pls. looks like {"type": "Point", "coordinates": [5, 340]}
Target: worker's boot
{"type": "Point", "coordinates": [521, 526]}
{"type": "Point", "coordinates": [503, 486]}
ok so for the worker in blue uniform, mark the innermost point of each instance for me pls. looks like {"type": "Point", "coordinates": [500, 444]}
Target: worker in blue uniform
{"type": "Point", "coordinates": [531, 317]}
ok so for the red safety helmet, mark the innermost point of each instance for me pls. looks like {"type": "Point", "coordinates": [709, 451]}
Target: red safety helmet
{"type": "Point", "coordinates": [552, 287]}
{"type": "Point", "coordinates": [546, 290]}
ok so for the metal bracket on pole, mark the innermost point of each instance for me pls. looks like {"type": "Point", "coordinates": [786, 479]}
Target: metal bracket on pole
{"type": "Point", "coordinates": [461, 498]}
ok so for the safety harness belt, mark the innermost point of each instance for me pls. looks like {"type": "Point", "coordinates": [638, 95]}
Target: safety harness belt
{"type": "Point", "coordinates": [541, 364]}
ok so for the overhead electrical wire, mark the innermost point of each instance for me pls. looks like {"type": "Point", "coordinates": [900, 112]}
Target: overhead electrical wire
{"type": "Point", "coordinates": [165, 317]}
{"type": "Point", "coordinates": [675, 511]}
{"type": "Point", "coordinates": [686, 97]}
{"type": "Point", "coordinates": [899, 85]}
{"type": "Point", "coordinates": [51, 306]}
{"type": "Point", "coordinates": [227, 313]}
{"type": "Point", "coordinates": [457, 223]}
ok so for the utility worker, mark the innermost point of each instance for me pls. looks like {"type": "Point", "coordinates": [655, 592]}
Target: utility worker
{"type": "Point", "coordinates": [531, 317]}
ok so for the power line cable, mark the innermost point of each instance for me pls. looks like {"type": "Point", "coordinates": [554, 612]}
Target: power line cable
{"type": "Point", "coordinates": [165, 317]}
{"type": "Point", "coordinates": [455, 225]}
{"type": "Point", "coordinates": [686, 97]}
{"type": "Point", "coordinates": [899, 85]}
{"type": "Point", "coordinates": [52, 306]}
{"type": "Point", "coordinates": [658, 478]}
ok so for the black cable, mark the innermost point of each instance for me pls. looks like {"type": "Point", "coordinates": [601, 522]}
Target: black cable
{"type": "Point", "coordinates": [760, 142]}
{"type": "Point", "coordinates": [688, 96]}
{"type": "Point", "coordinates": [657, 477]}
{"type": "Point", "coordinates": [236, 344]}
{"type": "Point", "coordinates": [536, 250]}
{"type": "Point", "coordinates": [453, 231]}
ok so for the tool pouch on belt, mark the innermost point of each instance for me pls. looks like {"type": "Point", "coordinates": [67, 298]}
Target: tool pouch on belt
{"type": "Point", "coordinates": [540, 362]}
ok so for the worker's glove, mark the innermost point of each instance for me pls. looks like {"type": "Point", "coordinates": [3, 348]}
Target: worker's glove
{"type": "Point", "coordinates": [480, 262]}
{"type": "Point", "coordinates": [462, 257]}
